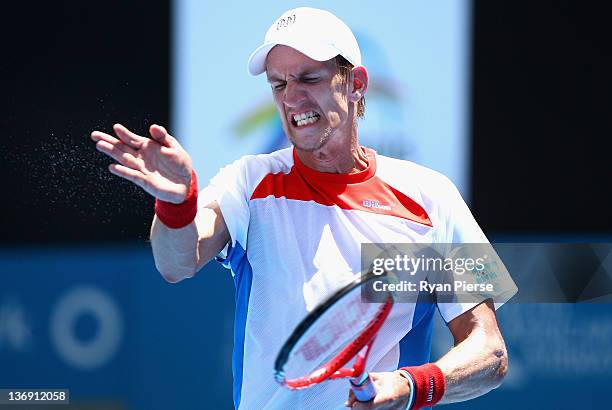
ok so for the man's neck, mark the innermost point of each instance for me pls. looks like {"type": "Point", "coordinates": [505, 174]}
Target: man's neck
{"type": "Point", "coordinates": [339, 158]}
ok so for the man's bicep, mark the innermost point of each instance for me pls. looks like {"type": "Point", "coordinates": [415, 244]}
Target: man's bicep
{"type": "Point", "coordinates": [481, 317]}
{"type": "Point", "coordinates": [213, 233]}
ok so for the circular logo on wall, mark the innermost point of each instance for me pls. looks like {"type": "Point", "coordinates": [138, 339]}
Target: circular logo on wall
{"type": "Point", "coordinates": [102, 346]}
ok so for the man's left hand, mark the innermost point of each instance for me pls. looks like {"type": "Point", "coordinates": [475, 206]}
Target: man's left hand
{"type": "Point", "coordinates": [392, 393]}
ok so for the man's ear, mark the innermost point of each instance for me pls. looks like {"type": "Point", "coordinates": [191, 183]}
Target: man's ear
{"type": "Point", "coordinates": [358, 84]}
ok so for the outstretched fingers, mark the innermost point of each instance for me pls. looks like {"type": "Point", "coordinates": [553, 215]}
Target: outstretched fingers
{"type": "Point", "coordinates": [119, 154]}
{"type": "Point", "coordinates": [129, 138]}
{"type": "Point", "coordinates": [98, 136]}
{"type": "Point", "coordinates": [159, 134]}
{"type": "Point", "coordinates": [130, 174]}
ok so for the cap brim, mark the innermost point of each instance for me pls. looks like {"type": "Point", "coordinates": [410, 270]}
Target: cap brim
{"type": "Point", "coordinates": [318, 52]}
{"type": "Point", "coordinates": [257, 60]}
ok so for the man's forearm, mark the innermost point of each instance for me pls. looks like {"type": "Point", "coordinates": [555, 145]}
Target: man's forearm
{"type": "Point", "coordinates": [474, 367]}
{"type": "Point", "coordinates": [175, 251]}
{"type": "Point", "coordinates": [180, 253]}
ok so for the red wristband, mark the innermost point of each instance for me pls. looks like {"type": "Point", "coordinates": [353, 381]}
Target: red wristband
{"type": "Point", "coordinates": [429, 385]}
{"type": "Point", "coordinates": [179, 215]}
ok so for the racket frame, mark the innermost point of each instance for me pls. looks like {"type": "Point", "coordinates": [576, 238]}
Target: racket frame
{"type": "Point", "coordinates": [359, 348]}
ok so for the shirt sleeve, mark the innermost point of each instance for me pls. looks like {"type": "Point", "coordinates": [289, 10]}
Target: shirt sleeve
{"type": "Point", "coordinates": [229, 189]}
{"type": "Point", "coordinates": [465, 239]}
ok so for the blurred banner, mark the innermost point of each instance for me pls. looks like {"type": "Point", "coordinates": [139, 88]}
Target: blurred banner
{"type": "Point", "coordinates": [101, 322]}
{"type": "Point", "coordinates": [560, 357]}
{"type": "Point", "coordinates": [417, 103]}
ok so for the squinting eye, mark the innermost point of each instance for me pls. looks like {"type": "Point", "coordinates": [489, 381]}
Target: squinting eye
{"type": "Point", "coordinates": [278, 86]}
{"type": "Point", "coordinates": [311, 80]}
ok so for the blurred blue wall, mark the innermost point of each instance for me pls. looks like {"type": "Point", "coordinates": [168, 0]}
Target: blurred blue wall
{"type": "Point", "coordinates": [124, 333]}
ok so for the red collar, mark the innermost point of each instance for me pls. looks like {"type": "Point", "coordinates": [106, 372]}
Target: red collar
{"type": "Point", "coordinates": [353, 178]}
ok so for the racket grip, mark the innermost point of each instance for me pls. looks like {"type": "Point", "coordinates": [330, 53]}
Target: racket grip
{"type": "Point", "coordinates": [363, 388]}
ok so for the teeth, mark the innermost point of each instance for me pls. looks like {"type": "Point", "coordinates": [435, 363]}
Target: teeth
{"type": "Point", "coordinates": [306, 118]}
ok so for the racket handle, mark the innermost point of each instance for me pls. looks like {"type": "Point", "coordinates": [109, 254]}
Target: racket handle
{"type": "Point", "coordinates": [363, 388]}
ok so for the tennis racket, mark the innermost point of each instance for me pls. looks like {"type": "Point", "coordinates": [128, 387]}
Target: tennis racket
{"type": "Point", "coordinates": [333, 341]}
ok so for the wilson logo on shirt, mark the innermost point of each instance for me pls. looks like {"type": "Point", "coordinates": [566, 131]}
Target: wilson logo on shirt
{"type": "Point", "coordinates": [370, 203]}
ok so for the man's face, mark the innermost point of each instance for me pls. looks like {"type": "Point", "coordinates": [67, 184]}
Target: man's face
{"type": "Point", "coordinates": [310, 96]}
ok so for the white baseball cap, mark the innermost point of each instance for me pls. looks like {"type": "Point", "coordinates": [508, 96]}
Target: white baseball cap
{"type": "Point", "coordinates": [314, 32]}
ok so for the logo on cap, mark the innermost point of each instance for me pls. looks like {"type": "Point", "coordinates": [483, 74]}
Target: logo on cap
{"type": "Point", "coordinates": [285, 21]}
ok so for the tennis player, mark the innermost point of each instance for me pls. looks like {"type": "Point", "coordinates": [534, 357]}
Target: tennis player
{"type": "Point", "coordinates": [290, 224]}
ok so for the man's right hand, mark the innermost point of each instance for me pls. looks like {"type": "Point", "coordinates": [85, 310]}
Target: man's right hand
{"type": "Point", "coordinates": [158, 164]}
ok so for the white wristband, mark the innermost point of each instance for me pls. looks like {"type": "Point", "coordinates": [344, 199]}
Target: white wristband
{"type": "Point", "coordinates": [408, 377]}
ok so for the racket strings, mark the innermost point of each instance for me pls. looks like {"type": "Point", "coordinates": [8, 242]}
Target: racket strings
{"type": "Point", "coordinates": [330, 333]}
{"type": "Point", "coordinates": [342, 324]}
{"type": "Point", "coordinates": [362, 340]}
{"type": "Point", "coordinates": [300, 374]}
{"type": "Point", "coordinates": [339, 332]}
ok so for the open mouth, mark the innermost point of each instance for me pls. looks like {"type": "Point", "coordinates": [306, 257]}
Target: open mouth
{"type": "Point", "coordinates": [305, 118]}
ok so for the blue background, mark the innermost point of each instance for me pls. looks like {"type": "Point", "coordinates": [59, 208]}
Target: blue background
{"type": "Point", "coordinates": [175, 346]}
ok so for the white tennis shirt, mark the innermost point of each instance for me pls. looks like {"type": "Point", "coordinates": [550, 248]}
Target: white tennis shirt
{"type": "Point", "coordinates": [295, 238]}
